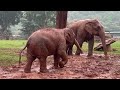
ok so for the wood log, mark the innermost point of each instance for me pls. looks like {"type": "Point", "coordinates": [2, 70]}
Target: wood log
{"type": "Point", "coordinates": [99, 47]}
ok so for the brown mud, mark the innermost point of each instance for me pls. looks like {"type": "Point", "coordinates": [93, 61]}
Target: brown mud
{"type": "Point", "coordinates": [78, 67]}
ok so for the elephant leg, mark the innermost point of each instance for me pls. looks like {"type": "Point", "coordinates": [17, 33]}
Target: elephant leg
{"type": "Point", "coordinates": [56, 61]}
{"type": "Point", "coordinates": [30, 59]}
{"type": "Point", "coordinates": [90, 47]}
{"type": "Point", "coordinates": [78, 51]}
{"type": "Point", "coordinates": [43, 66]}
{"type": "Point", "coordinates": [70, 50]}
{"type": "Point", "coordinates": [80, 41]}
{"type": "Point", "coordinates": [67, 48]}
{"type": "Point", "coordinates": [63, 55]}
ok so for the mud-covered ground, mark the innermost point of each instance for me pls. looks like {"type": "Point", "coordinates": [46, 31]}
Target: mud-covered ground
{"type": "Point", "coordinates": [78, 67]}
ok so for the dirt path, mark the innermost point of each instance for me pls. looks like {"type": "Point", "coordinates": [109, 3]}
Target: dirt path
{"type": "Point", "coordinates": [78, 67]}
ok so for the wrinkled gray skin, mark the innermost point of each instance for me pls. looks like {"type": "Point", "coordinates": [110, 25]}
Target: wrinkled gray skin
{"type": "Point", "coordinates": [85, 31]}
{"type": "Point", "coordinates": [46, 42]}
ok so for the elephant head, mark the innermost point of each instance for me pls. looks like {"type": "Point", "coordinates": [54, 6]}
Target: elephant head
{"type": "Point", "coordinates": [70, 38]}
{"type": "Point", "coordinates": [94, 27]}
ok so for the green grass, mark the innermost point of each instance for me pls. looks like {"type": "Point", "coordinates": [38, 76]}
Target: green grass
{"type": "Point", "coordinates": [12, 43]}
{"type": "Point", "coordinates": [115, 46]}
{"type": "Point", "coordinates": [9, 50]}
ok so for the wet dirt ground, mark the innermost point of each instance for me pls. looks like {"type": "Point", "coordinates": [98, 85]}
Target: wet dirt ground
{"type": "Point", "coordinates": [78, 67]}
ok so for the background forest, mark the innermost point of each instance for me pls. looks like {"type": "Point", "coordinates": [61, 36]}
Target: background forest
{"type": "Point", "coordinates": [23, 23]}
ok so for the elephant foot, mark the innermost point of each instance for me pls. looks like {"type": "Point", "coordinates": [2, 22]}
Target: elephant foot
{"type": "Point", "coordinates": [77, 53]}
{"type": "Point", "coordinates": [61, 64]}
{"type": "Point", "coordinates": [107, 57]}
{"type": "Point", "coordinates": [90, 57]}
{"type": "Point", "coordinates": [54, 67]}
{"type": "Point", "coordinates": [27, 71]}
{"type": "Point", "coordinates": [70, 54]}
{"type": "Point", "coordinates": [81, 52]}
{"type": "Point", "coordinates": [43, 71]}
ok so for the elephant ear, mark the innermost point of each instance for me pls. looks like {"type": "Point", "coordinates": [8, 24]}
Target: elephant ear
{"type": "Point", "coordinates": [92, 25]}
{"type": "Point", "coordinates": [88, 27]}
{"type": "Point", "coordinates": [69, 35]}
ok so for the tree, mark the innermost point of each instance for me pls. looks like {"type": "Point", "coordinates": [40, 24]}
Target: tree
{"type": "Point", "coordinates": [61, 19]}
{"type": "Point", "coordinates": [33, 20]}
{"type": "Point", "coordinates": [8, 18]}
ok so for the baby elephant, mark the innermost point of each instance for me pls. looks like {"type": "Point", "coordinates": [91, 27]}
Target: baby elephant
{"type": "Point", "coordinates": [46, 42]}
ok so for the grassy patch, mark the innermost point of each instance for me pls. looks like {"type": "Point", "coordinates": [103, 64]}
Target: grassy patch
{"type": "Point", "coordinates": [12, 43]}
{"type": "Point", "coordinates": [9, 51]}
{"type": "Point", "coordinates": [115, 46]}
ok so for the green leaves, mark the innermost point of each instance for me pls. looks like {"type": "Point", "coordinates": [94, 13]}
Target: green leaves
{"type": "Point", "coordinates": [33, 20]}
{"type": "Point", "coordinates": [8, 18]}
{"type": "Point", "coordinates": [109, 19]}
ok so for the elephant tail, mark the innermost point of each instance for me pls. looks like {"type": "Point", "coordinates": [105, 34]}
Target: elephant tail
{"type": "Point", "coordinates": [20, 54]}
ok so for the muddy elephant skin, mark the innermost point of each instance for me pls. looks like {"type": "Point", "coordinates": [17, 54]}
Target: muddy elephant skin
{"type": "Point", "coordinates": [85, 30]}
{"type": "Point", "coordinates": [46, 42]}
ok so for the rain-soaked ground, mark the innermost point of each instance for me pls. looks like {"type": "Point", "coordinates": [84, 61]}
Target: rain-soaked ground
{"type": "Point", "coordinates": [78, 67]}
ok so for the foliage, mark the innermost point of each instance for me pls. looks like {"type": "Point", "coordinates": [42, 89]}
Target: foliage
{"type": "Point", "coordinates": [109, 19]}
{"type": "Point", "coordinates": [8, 18]}
{"type": "Point", "coordinates": [33, 20]}
{"type": "Point", "coordinates": [15, 22]}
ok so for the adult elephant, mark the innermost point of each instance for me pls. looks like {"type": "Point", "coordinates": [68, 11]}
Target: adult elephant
{"type": "Point", "coordinates": [85, 31]}
{"type": "Point", "coordinates": [46, 42]}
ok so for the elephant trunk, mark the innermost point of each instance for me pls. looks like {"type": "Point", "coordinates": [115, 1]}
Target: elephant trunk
{"type": "Point", "coordinates": [78, 46]}
{"type": "Point", "coordinates": [102, 36]}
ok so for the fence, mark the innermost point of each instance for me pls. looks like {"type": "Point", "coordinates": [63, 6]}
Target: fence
{"type": "Point", "coordinates": [114, 34]}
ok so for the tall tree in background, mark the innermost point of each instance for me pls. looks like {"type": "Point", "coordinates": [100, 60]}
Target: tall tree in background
{"type": "Point", "coordinates": [61, 19]}
{"type": "Point", "coordinates": [8, 18]}
{"type": "Point", "coordinates": [34, 20]}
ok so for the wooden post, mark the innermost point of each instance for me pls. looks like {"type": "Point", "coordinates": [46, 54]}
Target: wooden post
{"type": "Point", "coordinates": [61, 19]}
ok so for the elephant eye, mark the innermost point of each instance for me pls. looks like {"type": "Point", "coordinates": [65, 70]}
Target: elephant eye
{"type": "Point", "coordinates": [98, 28]}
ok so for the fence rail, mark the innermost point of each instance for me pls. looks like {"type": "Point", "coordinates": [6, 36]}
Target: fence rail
{"type": "Point", "coordinates": [114, 34]}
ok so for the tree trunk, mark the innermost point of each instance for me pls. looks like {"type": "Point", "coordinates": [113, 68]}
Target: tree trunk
{"type": "Point", "coordinates": [61, 19]}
